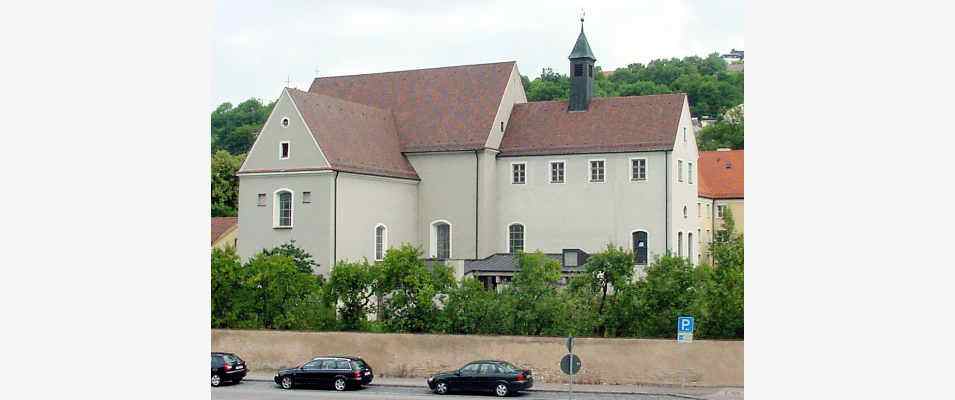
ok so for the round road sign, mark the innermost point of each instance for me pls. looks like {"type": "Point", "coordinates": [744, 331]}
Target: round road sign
{"type": "Point", "coordinates": [568, 361]}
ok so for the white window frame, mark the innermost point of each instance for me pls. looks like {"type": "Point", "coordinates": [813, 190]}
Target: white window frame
{"type": "Point", "coordinates": [646, 169]}
{"type": "Point", "coordinates": [526, 175]}
{"type": "Point", "coordinates": [374, 242]}
{"type": "Point", "coordinates": [550, 172]}
{"type": "Point", "coordinates": [679, 244]}
{"type": "Point", "coordinates": [285, 142]}
{"type": "Point", "coordinates": [720, 209]}
{"type": "Point", "coordinates": [507, 239]}
{"type": "Point", "coordinates": [261, 199]}
{"type": "Point", "coordinates": [433, 242]}
{"type": "Point", "coordinates": [634, 249]}
{"type": "Point", "coordinates": [590, 172]}
{"type": "Point", "coordinates": [689, 247]}
{"type": "Point", "coordinates": [689, 172]}
{"type": "Point", "coordinates": [276, 209]}
{"type": "Point", "coordinates": [285, 122]}
{"type": "Point", "coordinates": [679, 170]}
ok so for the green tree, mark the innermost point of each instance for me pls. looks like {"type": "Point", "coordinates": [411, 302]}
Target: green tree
{"type": "Point", "coordinates": [410, 290]}
{"type": "Point", "coordinates": [723, 297]}
{"type": "Point", "coordinates": [302, 259]}
{"type": "Point", "coordinates": [533, 294]}
{"type": "Point", "coordinates": [352, 286]}
{"type": "Point", "coordinates": [228, 292]}
{"type": "Point", "coordinates": [234, 129]}
{"type": "Point", "coordinates": [671, 288]}
{"type": "Point", "coordinates": [725, 133]}
{"type": "Point", "coordinates": [279, 287]}
{"type": "Point", "coordinates": [473, 309]}
{"type": "Point", "coordinates": [225, 184]}
{"type": "Point", "coordinates": [606, 271]}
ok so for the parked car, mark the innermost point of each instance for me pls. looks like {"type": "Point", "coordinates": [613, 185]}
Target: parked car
{"type": "Point", "coordinates": [341, 372]}
{"type": "Point", "coordinates": [227, 367]}
{"type": "Point", "coordinates": [501, 377]}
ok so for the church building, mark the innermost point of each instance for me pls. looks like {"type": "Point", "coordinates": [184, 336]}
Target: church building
{"type": "Point", "coordinates": [457, 162]}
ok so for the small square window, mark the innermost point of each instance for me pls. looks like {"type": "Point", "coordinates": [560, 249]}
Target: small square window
{"type": "Point", "coordinates": [306, 197]}
{"type": "Point", "coordinates": [557, 172]}
{"type": "Point", "coordinates": [519, 173]}
{"type": "Point", "coordinates": [284, 150]}
{"type": "Point", "coordinates": [261, 200]}
{"type": "Point", "coordinates": [597, 171]}
{"type": "Point", "coordinates": [638, 169]}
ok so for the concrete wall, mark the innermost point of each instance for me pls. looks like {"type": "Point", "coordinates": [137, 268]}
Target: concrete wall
{"type": "Point", "coordinates": [364, 202]}
{"type": "Point", "coordinates": [607, 361]}
{"type": "Point", "coordinates": [265, 152]}
{"type": "Point", "coordinates": [447, 192]}
{"type": "Point", "coordinates": [579, 213]}
{"type": "Point", "coordinates": [312, 223]}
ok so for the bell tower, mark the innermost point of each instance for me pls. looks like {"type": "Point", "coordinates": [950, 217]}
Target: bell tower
{"type": "Point", "coordinates": [581, 73]}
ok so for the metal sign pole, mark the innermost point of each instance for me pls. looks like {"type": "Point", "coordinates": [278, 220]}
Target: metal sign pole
{"type": "Point", "coordinates": [572, 375]}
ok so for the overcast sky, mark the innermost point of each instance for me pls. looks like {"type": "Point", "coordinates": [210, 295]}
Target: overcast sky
{"type": "Point", "coordinates": [257, 45]}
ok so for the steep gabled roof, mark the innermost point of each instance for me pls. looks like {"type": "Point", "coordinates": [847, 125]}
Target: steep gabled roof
{"type": "Point", "coordinates": [721, 174]}
{"type": "Point", "coordinates": [354, 137]}
{"type": "Point", "coordinates": [435, 109]}
{"type": "Point", "coordinates": [221, 225]}
{"type": "Point", "coordinates": [610, 124]}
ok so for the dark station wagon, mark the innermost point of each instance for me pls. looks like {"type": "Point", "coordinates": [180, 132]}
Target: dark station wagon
{"type": "Point", "coordinates": [339, 372]}
{"type": "Point", "coordinates": [227, 367]}
{"type": "Point", "coordinates": [501, 377]}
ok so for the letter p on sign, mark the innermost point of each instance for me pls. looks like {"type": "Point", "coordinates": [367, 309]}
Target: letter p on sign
{"type": "Point", "coordinates": [684, 324]}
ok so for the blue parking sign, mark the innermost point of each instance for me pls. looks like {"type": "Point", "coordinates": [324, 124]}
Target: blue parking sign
{"type": "Point", "coordinates": [684, 324]}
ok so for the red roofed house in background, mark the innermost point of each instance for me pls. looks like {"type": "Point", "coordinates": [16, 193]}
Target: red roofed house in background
{"type": "Point", "coordinates": [225, 232]}
{"type": "Point", "coordinates": [721, 189]}
{"type": "Point", "coordinates": [454, 160]}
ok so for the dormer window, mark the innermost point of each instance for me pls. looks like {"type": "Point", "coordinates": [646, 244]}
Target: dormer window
{"type": "Point", "coordinates": [284, 150]}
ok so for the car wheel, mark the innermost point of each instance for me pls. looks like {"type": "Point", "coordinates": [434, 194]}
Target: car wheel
{"type": "Point", "coordinates": [441, 388]}
{"type": "Point", "coordinates": [287, 382]}
{"type": "Point", "coordinates": [500, 390]}
{"type": "Point", "coordinates": [216, 380]}
{"type": "Point", "coordinates": [340, 384]}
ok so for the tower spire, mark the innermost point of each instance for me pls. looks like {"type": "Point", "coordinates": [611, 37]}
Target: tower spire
{"type": "Point", "coordinates": [581, 71]}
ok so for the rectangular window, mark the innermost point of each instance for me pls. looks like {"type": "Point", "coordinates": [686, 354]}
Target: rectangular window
{"type": "Point", "coordinates": [591, 68]}
{"type": "Point", "coordinates": [306, 197]}
{"type": "Point", "coordinates": [519, 173]}
{"type": "Point", "coordinates": [556, 172]}
{"type": "Point", "coordinates": [638, 169]}
{"type": "Point", "coordinates": [684, 134]}
{"type": "Point", "coordinates": [284, 150]}
{"type": "Point", "coordinates": [699, 209]}
{"type": "Point", "coordinates": [578, 69]}
{"type": "Point", "coordinates": [285, 209]}
{"type": "Point", "coordinates": [261, 200]}
{"type": "Point", "coordinates": [719, 211]}
{"type": "Point", "coordinates": [679, 170]}
{"type": "Point", "coordinates": [596, 170]}
{"type": "Point", "coordinates": [690, 172]}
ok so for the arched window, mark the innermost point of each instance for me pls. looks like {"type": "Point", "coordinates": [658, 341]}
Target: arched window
{"type": "Point", "coordinates": [640, 246]}
{"type": "Point", "coordinates": [679, 244]}
{"type": "Point", "coordinates": [381, 241]}
{"type": "Point", "coordinates": [689, 246]}
{"type": "Point", "coordinates": [441, 240]}
{"type": "Point", "coordinates": [515, 234]}
{"type": "Point", "coordinates": [283, 208]}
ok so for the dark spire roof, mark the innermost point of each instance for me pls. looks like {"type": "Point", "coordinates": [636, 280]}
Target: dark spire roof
{"type": "Point", "coordinates": [582, 48]}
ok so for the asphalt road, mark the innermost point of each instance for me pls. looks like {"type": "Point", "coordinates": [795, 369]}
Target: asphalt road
{"type": "Point", "coordinates": [269, 391]}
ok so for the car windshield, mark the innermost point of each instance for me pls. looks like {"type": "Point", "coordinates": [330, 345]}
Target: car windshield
{"type": "Point", "coordinates": [231, 359]}
{"type": "Point", "coordinates": [360, 363]}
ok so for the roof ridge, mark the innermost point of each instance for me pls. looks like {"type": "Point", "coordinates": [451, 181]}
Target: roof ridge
{"type": "Point", "coordinates": [605, 98]}
{"type": "Point", "coordinates": [415, 69]}
{"type": "Point", "coordinates": [339, 99]}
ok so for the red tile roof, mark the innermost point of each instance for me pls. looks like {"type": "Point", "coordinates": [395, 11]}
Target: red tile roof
{"type": "Point", "coordinates": [435, 109]}
{"type": "Point", "coordinates": [611, 124]}
{"type": "Point", "coordinates": [721, 174]}
{"type": "Point", "coordinates": [221, 225]}
{"type": "Point", "coordinates": [354, 137]}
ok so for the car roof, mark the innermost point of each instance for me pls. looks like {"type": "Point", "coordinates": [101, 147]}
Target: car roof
{"type": "Point", "coordinates": [488, 361]}
{"type": "Point", "coordinates": [337, 358]}
{"type": "Point", "coordinates": [219, 353]}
